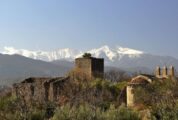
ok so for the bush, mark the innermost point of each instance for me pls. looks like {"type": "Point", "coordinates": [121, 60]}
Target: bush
{"type": "Point", "coordinates": [37, 115]}
{"type": "Point", "coordinates": [122, 113]}
{"type": "Point", "coordinates": [6, 102]}
{"type": "Point", "coordinates": [86, 55]}
{"type": "Point", "coordinates": [165, 111]}
{"type": "Point", "coordinates": [86, 112]}
{"type": "Point", "coordinates": [63, 113]}
{"type": "Point", "coordinates": [156, 92]}
{"type": "Point", "coordinates": [160, 97]}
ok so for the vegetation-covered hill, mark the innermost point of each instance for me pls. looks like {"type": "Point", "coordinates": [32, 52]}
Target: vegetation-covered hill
{"type": "Point", "coordinates": [98, 99]}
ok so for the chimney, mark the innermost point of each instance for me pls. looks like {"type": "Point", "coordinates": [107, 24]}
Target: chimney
{"type": "Point", "coordinates": [171, 71]}
{"type": "Point", "coordinates": [165, 71]}
{"type": "Point", "coordinates": [158, 71]}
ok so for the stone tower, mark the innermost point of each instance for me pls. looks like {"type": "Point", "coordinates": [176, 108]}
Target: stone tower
{"type": "Point", "coordinates": [158, 72]}
{"type": "Point", "coordinates": [165, 71]}
{"type": "Point", "coordinates": [171, 71]}
{"type": "Point", "coordinates": [92, 67]}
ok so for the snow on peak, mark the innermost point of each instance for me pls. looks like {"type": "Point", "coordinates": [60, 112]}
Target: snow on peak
{"type": "Point", "coordinates": [103, 51]}
{"type": "Point", "coordinates": [128, 51]}
{"type": "Point", "coordinates": [70, 54]}
{"type": "Point", "coordinates": [66, 53]}
{"type": "Point", "coordinates": [23, 52]}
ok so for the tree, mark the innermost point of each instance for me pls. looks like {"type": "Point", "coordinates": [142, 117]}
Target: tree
{"type": "Point", "coordinates": [116, 75]}
{"type": "Point", "coordinates": [86, 55]}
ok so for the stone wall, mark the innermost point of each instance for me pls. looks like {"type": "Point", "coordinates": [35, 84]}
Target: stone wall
{"type": "Point", "coordinates": [92, 67]}
{"type": "Point", "coordinates": [129, 96]}
{"type": "Point", "coordinates": [83, 65]}
{"type": "Point", "coordinates": [38, 89]}
{"type": "Point", "coordinates": [23, 91]}
{"type": "Point", "coordinates": [98, 67]}
{"type": "Point", "coordinates": [165, 72]}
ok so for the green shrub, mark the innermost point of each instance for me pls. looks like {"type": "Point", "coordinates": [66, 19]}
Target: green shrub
{"type": "Point", "coordinates": [6, 102]}
{"type": "Point", "coordinates": [160, 97]}
{"type": "Point", "coordinates": [86, 112]}
{"type": "Point", "coordinates": [37, 115]}
{"type": "Point", "coordinates": [63, 113]}
{"type": "Point", "coordinates": [165, 111]}
{"type": "Point", "coordinates": [122, 113]}
{"type": "Point", "coordinates": [86, 55]}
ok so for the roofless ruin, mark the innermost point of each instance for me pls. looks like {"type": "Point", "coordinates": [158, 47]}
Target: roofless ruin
{"type": "Point", "coordinates": [49, 89]}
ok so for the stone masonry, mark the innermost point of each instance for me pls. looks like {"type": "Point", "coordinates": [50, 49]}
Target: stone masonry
{"type": "Point", "coordinates": [39, 89]}
{"type": "Point", "coordinates": [49, 89]}
{"type": "Point", "coordinates": [93, 67]}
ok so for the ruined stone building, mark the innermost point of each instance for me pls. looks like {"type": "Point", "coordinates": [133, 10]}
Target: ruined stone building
{"type": "Point", "coordinates": [165, 73]}
{"type": "Point", "coordinates": [92, 67]}
{"type": "Point", "coordinates": [49, 89]}
{"type": "Point", "coordinates": [143, 79]}
{"type": "Point", "coordinates": [39, 89]}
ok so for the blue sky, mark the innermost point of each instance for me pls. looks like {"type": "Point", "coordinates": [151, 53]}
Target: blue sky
{"type": "Point", "coordinates": [148, 25]}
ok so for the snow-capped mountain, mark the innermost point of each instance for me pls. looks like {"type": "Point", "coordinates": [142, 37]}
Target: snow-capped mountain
{"type": "Point", "coordinates": [58, 62]}
{"type": "Point", "coordinates": [66, 53]}
{"type": "Point", "coordinates": [120, 57]}
{"type": "Point", "coordinates": [109, 54]}
{"type": "Point", "coordinates": [115, 54]}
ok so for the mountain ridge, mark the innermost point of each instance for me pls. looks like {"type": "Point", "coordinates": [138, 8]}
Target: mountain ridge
{"type": "Point", "coordinates": [71, 54]}
{"type": "Point", "coordinates": [121, 57]}
{"type": "Point", "coordinates": [15, 67]}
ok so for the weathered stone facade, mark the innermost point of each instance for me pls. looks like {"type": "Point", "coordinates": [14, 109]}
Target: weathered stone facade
{"type": "Point", "coordinates": [165, 72]}
{"type": "Point", "coordinates": [140, 80]}
{"type": "Point", "coordinates": [93, 67]}
{"type": "Point", "coordinates": [39, 89]}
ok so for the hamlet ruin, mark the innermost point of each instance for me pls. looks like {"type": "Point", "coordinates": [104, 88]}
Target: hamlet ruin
{"type": "Point", "coordinates": [49, 89]}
